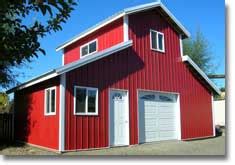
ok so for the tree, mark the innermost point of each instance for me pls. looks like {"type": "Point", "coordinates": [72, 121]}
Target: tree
{"type": "Point", "coordinates": [198, 49]}
{"type": "Point", "coordinates": [19, 41]}
{"type": "Point", "coordinates": [4, 101]}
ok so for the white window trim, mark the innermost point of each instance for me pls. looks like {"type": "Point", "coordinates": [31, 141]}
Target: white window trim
{"type": "Point", "coordinates": [163, 43]}
{"type": "Point", "coordinates": [45, 102]}
{"type": "Point", "coordinates": [87, 44]}
{"type": "Point", "coordinates": [86, 105]}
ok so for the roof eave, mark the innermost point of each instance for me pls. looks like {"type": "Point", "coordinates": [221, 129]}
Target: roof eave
{"type": "Point", "coordinates": [95, 57]}
{"type": "Point", "coordinates": [122, 13]}
{"type": "Point", "coordinates": [74, 65]}
{"type": "Point", "coordinates": [186, 58]}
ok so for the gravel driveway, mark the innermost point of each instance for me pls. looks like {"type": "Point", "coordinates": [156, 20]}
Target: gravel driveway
{"type": "Point", "coordinates": [211, 146]}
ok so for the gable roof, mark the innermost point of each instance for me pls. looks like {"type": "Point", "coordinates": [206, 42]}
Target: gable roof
{"type": "Point", "coordinates": [66, 68]}
{"type": "Point", "coordinates": [122, 13]}
{"type": "Point", "coordinates": [188, 60]}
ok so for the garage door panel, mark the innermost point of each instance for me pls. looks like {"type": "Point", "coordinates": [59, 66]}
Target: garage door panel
{"type": "Point", "coordinates": [167, 134]}
{"type": "Point", "coordinates": [166, 122]}
{"type": "Point", "coordinates": [151, 136]}
{"type": "Point", "coordinates": [167, 127]}
{"type": "Point", "coordinates": [150, 103]}
{"type": "Point", "coordinates": [166, 116]}
{"type": "Point", "coordinates": [157, 117]}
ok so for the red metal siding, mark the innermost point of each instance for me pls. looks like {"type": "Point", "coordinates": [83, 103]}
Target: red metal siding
{"type": "Point", "coordinates": [31, 125]}
{"type": "Point", "coordinates": [107, 36]}
{"type": "Point", "coordinates": [138, 68]}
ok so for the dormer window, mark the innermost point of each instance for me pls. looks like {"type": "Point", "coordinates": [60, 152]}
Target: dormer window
{"type": "Point", "coordinates": [88, 48]}
{"type": "Point", "coordinates": [157, 41]}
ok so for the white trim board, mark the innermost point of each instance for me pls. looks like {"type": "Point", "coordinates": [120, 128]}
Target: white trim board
{"type": "Point", "coordinates": [126, 28]}
{"type": "Point", "coordinates": [186, 58]}
{"type": "Point", "coordinates": [124, 13]}
{"type": "Point", "coordinates": [213, 114]}
{"type": "Point", "coordinates": [62, 113]}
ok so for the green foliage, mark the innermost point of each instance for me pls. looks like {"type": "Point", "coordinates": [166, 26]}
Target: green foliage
{"type": "Point", "coordinates": [198, 49]}
{"type": "Point", "coordinates": [4, 100]}
{"type": "Point", "coordinates": [19, 42]}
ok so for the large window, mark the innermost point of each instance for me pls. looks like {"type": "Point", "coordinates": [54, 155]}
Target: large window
{"type": "Point", "coordinates": [50, 101]}
{"type": "Point", "coordinates": [88, 48]}
{"type": "Point", "coordinates": [85, 101]}
{"type": "Point", "coordinates": [157, 41]}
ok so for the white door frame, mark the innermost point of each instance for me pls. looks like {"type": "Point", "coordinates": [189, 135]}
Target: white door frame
{"type": "Point", "coordinates": [177, 108]}
{"type": "Point", "coordinates": [128, 117]}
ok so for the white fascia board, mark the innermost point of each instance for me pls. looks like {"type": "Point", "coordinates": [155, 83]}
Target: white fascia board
{"type": "Point", "coordinates": [175, 20]}
{"type": "Point", "coordinates": [91, 30]}
{"type": "Point", "coordinates": [153, 5]}
{"type": "Point", "coordinates": [94, 57]}
{"type": "Point", "coordinates": [186, 58]}
{"type": "Point", "coordinates": [139, 8]}
{"type": "Point", "coordinates": [120, 14]}
{"type": "Point", "coordinates": [34, 81]}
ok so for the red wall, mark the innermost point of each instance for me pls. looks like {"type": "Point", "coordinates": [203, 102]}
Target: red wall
{"type": "Point", "coordinates": [138, 68]}
{"type": "Point", "coordinates": [107, 36]}
{"type": "Point", "coordinates": [31, 125]}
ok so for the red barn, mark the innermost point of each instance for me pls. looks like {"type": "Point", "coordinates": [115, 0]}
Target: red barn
{"type": "Point", "coordinates": [124, 81]}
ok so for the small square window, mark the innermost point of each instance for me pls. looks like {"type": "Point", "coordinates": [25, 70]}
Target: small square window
{"type": "Point", "coordinates": [80, 100]}
{"type": "Point", "coordinates": [157, 41]}
{"type": "Point", "coordinates": [160, 42]}
{"type": "Point", "coordinates": [88, 48]}
{"type": "Point", "coordinates": [91, 101]}
{"type": "Point", "coordinates": [86, 101]}
{"type": "Point", "coordinates": [154, 39]}
{"type": "Point", "coordinates": [92, 47]}
{"type": "Point", "coordinates": [84, 50]}
{"type": "Point", "coordinates": [50, 101]}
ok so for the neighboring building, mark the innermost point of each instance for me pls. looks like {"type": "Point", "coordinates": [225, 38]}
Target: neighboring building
{"type": "Point", "coordinates": [219, 112]}
{"type": "Point", "coordinates": [124, 81]}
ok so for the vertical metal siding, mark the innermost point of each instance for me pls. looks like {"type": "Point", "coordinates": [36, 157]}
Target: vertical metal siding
{"type": "Point", "coordinates": [31, 125]}
{"type": "Point", "coordinates": [138, 68]}
{"type": "Point", "coordinates": [107, 36]}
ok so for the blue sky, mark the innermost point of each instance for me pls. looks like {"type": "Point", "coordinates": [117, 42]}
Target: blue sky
{"type": "Point", "coordinates": [207, 15]}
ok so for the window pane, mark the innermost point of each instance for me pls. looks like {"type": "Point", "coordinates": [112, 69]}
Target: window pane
{"type": "Point", "coordinates": [91, 101]}
{"type": "Point", "coordinates": [80, 100]}
{"type": "Point", "coordinates": [53, 100]}
{"type": "Point", "coordinates": [48, 101]}
{"type": "Point", "coordinates": [85, 50]}
{"type": "Point", "coordinates": [154, 39]}
{"type": "Point", "coordinates": [92, 47]}
{"type": "Point", "coordinates": [160, 41]}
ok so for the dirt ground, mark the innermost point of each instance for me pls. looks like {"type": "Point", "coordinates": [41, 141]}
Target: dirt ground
{"type": "Point", "coordinates": [211, 146]}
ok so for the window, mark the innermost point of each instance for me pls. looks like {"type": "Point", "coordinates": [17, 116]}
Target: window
{"type": "Point", "coordinates": [88, 48]}
{"type": "Point", "coordinates": [85, 101]}
{"type": "Point", "coordinates": [50, 101]}
{"type": "Point", "coordinates": [157, 41]}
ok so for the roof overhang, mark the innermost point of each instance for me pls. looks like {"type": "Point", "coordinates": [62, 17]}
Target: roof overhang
{"type": "Point", "coordinates": [188, 60]}
{"type": "Point", "coordinates": [128, 11]}
{"type": "Point", "coordinates": [73, 65]}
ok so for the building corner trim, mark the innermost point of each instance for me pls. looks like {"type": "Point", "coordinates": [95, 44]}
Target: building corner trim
{"type": "Point", "coordinates": [125, 28]}
{"type": "Point", "coordinates": [62, 113]}
{"type": "Point", "coordinates": [213, 114]}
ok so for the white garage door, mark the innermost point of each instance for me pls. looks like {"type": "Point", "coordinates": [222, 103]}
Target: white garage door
{"type": "Point", "coordinates": [157, 116]}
